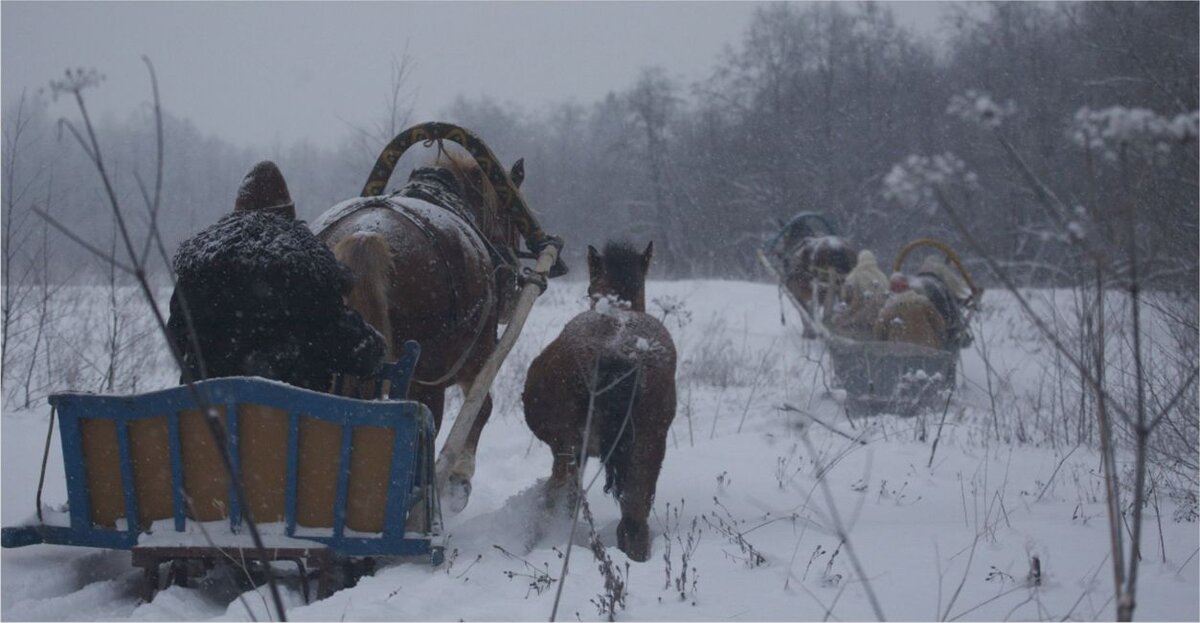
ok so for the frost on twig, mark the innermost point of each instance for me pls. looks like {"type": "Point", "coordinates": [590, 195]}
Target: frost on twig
{"type": "Point", "coordinates": [915, 181]}
{"type": "Point", "coordinates": [1109, 131]}
{"type": "Point", "coordinates": [979, 108]}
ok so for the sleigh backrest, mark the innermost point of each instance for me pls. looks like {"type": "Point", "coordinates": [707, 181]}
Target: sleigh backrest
{"type": "Point", "coordinates": [335, 470]}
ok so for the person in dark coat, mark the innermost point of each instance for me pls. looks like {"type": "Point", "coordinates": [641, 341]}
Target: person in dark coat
{"type": "Point", "coordinates": [265, 296]}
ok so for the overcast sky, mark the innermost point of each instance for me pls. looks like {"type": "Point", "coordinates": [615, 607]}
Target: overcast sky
{"type": "Point", "coordinates": [266, 72]}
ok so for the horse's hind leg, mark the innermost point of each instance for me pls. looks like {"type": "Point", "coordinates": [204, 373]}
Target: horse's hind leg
{"type": "Point", "coordinates": [432, 397]}
{"type": "Point", "coordinates": [563, 485]}
{"type": "Point", "coordinates": [800, 295]}
{"type": "Point", "coordinates": [645, 462]}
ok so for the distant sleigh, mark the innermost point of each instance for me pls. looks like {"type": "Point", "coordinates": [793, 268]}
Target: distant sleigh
{"type": "Point", "coordinates": [878, 375]}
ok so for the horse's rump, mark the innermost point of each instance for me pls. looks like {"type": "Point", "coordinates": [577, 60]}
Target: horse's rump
{"type": "Point", "coordinates": [623, 355]}
{"type": "Point", "coordinates": [824, 253]}
{"type": "Point", "coordinates": [441, 290]}
{"type": "Point", "coordinates": [823, 260]}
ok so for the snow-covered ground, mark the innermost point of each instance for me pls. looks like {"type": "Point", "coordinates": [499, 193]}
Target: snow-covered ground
{"type": "Point", "coordinates": [744, 528]}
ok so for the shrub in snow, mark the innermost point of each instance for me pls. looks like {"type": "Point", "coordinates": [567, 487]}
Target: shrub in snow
{"type": "Point", "coordinates": [979, 108]}
{"type": "Point", "coordinates": [914, 181]}
{"type": "Point", "coordinates": [1109, 130]}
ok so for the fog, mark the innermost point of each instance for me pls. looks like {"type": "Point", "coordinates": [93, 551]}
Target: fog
{"type": "Point", "coordinates": [700, 125]}
{"type": "Point", "coordinates": [261, 73]}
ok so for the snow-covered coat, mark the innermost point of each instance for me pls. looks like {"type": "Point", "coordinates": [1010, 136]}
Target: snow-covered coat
{"type": "Point", "coordinates": [909, 317]}
{"type": "Point", "coordinates": [863, 295]}
{"type": "Point", "coordinates": [266, 299]}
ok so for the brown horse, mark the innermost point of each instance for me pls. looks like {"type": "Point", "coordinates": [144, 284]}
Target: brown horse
{"type": "Point", "coordinates": [426, 269]}
{"type": "Point", "coordinates": [614, 368]}
{"type": "Point", "coordinates": [814, 272]}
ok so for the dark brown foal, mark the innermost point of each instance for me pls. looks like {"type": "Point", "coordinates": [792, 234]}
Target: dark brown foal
{"type": "Point", "coordinates": [612, 367]}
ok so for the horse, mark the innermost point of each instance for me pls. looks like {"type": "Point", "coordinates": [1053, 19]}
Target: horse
{"type": "Point", "coordinates": [426, 268]}
{"type": "Point", "coordinates": [814, 271]}
{"type": "Point", "coordinates": [605, 387]}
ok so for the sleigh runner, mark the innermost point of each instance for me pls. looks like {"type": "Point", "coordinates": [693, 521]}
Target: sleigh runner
{"type": "Point", "coordinates": [327, 478]}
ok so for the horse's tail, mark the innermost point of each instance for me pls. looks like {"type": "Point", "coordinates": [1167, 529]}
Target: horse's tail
{"type": "Point", "coordinates": [370, 260]}
{"type": "Point", "coordinates": [616, 383]}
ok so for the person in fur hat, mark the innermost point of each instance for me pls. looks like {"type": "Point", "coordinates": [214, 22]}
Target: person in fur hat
{"type": "Point", "coordinates": [863, 295]}
{"type": "Point", "coordinates": [264, 296]}
{"type": "Point", "coordinates": [909, 317]}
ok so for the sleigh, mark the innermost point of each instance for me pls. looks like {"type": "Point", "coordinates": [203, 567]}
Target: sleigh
{"type": "Point", "coordinates": [889, 377]}
{"type": "Point", "coordinates": [333, 483]}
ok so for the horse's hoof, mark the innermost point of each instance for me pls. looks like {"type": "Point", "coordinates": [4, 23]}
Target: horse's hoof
{"type": "Point", "coordinates": [633, 538]}
{"type": "Point", "coordinates": [456, 496]}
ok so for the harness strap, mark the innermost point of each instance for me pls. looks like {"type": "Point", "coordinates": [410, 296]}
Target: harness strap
{"type": "Point", "coordinates": [435, 185]}
{"type": "Point", "coordinates": [453, 288]}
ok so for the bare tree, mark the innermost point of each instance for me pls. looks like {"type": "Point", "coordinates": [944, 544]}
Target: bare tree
{"type": "Point", "coordinates": [17, 269]}
{"type": "Point", "coordinates": [397, 111]}
{"type": "Point", "coordinates": [46, 291]}
{"type": "Point", "coordinates": [73, 85]}
{"type": "Point", "coordinates": [653, 102]}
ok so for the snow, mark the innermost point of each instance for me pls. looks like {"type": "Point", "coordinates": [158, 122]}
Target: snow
{"type": "Point", "coordinates": [162, 534]}
{"type": "Point", "coordinates": [979, 108]}
{"type": "Point", "coordinates": [610, 305]}
{"type": "Point", "coordinates": [1109, 130]}
{"type": "Point", "coordinates": [955, 539]}
{"type": "Point", "coordinates": [915, 181]}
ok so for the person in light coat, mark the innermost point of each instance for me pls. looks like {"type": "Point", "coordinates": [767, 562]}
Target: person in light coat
{"type": "Point", "coordinates": [863, 295]}
{"type": "Point", "coordinates": [909, 317]}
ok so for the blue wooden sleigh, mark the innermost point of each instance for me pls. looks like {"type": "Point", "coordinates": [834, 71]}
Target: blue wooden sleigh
{"type": "Point", "coordinates": [137, 478]}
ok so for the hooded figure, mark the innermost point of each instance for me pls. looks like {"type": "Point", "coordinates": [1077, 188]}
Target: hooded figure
{"type": "Point", "coordinates": [265, 296]}
{"type": "Point", "coordinates": [909, 317]}
{"type": "Point", "coordinates": [863, 294]}
{"type": "Point", "coordinates": [264, 190]}
{"type": "Point", "coordinates": [946, 290]}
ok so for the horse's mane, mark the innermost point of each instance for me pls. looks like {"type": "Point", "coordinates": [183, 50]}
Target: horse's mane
{"type": "Point", "coordinates": [623, 268]}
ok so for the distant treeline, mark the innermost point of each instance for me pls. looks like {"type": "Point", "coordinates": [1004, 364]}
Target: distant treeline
{"type": "Point", "coordinates": [811, 110]}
